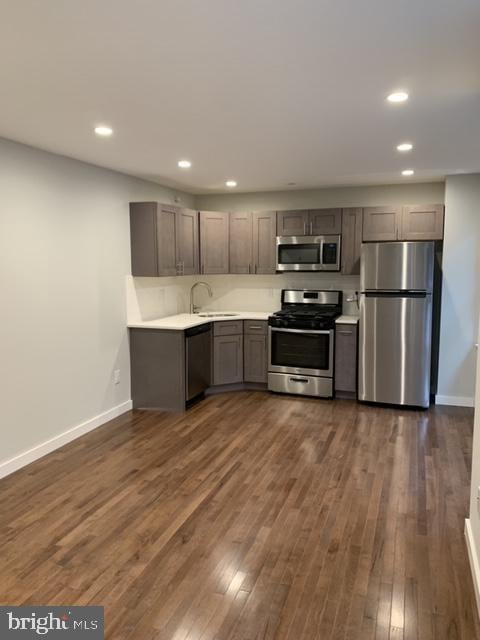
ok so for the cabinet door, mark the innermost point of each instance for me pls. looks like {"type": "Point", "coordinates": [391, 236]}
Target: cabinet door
{"type": "Point", "coordinates": [213, 242]}
{"type": "Point", "coordinates": [227, 359]}
{"type": "Point", "coordinates": [292, 223]}
{"type": "Point", "coordinates": [381, 223]}
{"type": "Point", "coordinates": [255, 358]}
{"type": "Point", "coordinates": [186, 240]}
{"type": "Point", "coordinates": [167, 262]}
{"type": "Point", "coordinates": [346, 357]}
{"type": "Point", "coordinates": [351, 241]}
{"type": "Point", "coordinates": [325, 221]}
{"type": "Point", "coordinates": [241, 237]}
{"type": "Point", "coordinates": [143, 238]}
{"type": "Point", "coordinates": [422, 222]}
{"type": "Point", "coordinates": [264, 245]}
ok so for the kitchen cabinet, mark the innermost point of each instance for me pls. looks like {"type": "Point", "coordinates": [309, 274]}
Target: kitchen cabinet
{"type": "Point", "coordinates": [309, 222]}
{"type": "Point", "coordinates": [227, 359]}
{"type": "Point", "coordinates": [292, 223]}
{"type": "Point", "coordinates": [346, 347]}
{"type": "Point", "coordinates": [351, 240]}
{"type": "Point", "coordinates": [255, 364]}
{"type": "Point", "coordinates": [163, 240]}
{"type": "Point", "coordinates": [422, 222]}
{"type": "Point", "coordinates": [325, 222]}
{"type": "Point", "coordinates": [252, 242]}
{"type": "Point", "coordinates": [410, 222]}
{"type": "Point", "coordinates": [241, 242]}
{"type": "Point", "coordinates": [186, 242]}
{"type": "Point", "coordinates": [152, 238]}
{"type": "Point", "coordinates": [157, 363]}
{"type": "Point", "coordinates": [214, 242]}
{"type": "Point", "coordinates": [381, 223]}
{"type": "Point", "coordinates": [264, 245]}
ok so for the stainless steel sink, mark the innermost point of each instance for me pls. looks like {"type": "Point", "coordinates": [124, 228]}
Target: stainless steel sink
{"type": "Point", "coordinates": [217, 315]}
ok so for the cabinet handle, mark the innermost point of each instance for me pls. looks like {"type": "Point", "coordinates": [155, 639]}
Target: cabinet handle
{"type": "Point", "coordinates": [311, 228]}
{"type": "Point", "coordinates": [253, 326]}
{"type": "Point", "coordinates": [346, 333]}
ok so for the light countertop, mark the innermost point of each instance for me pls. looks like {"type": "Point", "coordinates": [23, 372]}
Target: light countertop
{"type": "Point", "coordinates": [183, 321]}
{"type": "Point", "coordinates": [347, 320]}
{"type": "Point", "coordinates": [187, 320]}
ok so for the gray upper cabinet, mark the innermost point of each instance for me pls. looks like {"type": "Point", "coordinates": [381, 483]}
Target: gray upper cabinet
{"type": "Point", "coordinates": [351, 241]}
{"type": "Point", "coordinates": [264, 246]}
{"type": "Point", "coordinates": [292, 223]}
{"type": "Point", "coordinates": [325, 221]}
{"type": "Point", "coordinates": [346, 358]}
{"type": "Point", "coordinates": [381, 223]}
{"type": "Point", "coordinates": [186, 242]}
{"type": "Point", "coordinates": [152, 238]}
{"type": "Point", "coordinates": [214, 240]}
{"type": "Point", "coordinates": [164, 240]}
{"type": "Point", "coordinates": [241, 242]}
{"type": "Point", "coordinates": [422, 222]}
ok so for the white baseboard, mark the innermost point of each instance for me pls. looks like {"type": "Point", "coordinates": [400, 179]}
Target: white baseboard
{"type": "Point", "coordinates": [474, 563]}
{"type": "Point", "coordinates": [455, 401]}
{"type": "Point", "coordinates": [26, 457]}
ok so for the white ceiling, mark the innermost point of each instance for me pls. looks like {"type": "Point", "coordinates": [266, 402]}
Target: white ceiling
{"type": "Point", "coordinates": [263, 91]}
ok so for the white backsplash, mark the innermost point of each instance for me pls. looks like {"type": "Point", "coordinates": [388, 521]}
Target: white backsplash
{"type": "Point", "coordinates": [150, 298]}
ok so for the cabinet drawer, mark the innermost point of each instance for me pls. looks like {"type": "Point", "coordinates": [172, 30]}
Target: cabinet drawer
{"type": "Point", "coordinates": [346, 357]}
{"type": "Point", "coordinates": [228, 328]}
{"type": "Point", "coordinates": [255, 327]}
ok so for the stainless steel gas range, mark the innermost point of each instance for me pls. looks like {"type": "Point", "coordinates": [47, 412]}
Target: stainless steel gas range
{"type": "Point", "coordinates": [301, 342]}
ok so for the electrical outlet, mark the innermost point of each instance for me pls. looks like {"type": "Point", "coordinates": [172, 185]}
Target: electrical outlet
{"type": "Point", "coordinates": [116, 376]}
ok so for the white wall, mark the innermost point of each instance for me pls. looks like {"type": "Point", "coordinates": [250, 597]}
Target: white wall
{"type": "Point", "coordinates": [394, 194]}
{"type": "Point", "coordinates": [460, 294]}
{"type": "Point", "coordinates": [64, 254]}
{"type": "Point", "coordinates": [149, 298]}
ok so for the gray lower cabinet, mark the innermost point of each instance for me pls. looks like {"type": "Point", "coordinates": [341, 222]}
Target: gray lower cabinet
{"type": "Point", "coordinates": [351, 241]}
{"type": "Point", "coordinates": [381, 223]}
{"type": "Point", "coordinates": [346, 358]}
{"type": "Point", "coordinates": [325, 221]}
{"type": "Point", "coordinates": [227, 359]}
{"type": "Point", "coordinates": [214, 241]}
{"type": "Point", "coordinates": [241, 242]}
{"type": "Point", "coordinates": [422, 222]}
{"type": "Point", "coordinates": [157, 360]}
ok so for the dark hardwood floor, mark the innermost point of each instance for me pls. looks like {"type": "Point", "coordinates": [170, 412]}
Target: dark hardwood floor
{"type": "Point", "coordinates": [251, 516]}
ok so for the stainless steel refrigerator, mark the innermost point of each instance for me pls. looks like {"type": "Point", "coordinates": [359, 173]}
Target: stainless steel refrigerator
{"type": "Point", "coordinates": [396, 283]}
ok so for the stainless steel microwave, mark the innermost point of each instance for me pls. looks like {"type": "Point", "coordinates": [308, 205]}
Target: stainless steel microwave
{"type": "Point", "coordinates": [308, 253]}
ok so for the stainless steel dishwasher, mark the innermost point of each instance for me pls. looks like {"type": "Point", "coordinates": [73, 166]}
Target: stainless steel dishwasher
{"type": "Point", "coordinates": [198, 359]}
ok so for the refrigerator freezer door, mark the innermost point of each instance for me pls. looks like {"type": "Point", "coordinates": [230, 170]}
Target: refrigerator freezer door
{"type": "Point", "coordinates": [391, 266]}
{"type": "Point", "coordinates": [395, 349]}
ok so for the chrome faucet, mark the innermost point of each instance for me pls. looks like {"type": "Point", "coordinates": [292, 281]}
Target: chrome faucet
{"type": "Point", "coordinates": [193, 308]}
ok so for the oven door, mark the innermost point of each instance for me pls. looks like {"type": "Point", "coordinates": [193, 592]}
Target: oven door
{"type": "Point", "coordinates": [304, 351]}
{"type": "Point", "coordinates": [308, 253]}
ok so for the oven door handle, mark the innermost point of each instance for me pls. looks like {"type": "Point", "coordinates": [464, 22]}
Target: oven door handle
{"type": "Point", "coordinates": [304, 331]}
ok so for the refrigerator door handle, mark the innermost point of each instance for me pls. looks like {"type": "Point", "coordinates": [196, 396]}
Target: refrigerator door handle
{"type": "Point", "coordinates": [396, 294]}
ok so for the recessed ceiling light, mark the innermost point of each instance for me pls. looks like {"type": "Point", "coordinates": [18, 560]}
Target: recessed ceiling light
{"type": "Point", "coordinates": [291, 184]}
{"type": "Point", "coordinates": [104, 131]}
{"type": "Point", "coordinates": [408, 172]}
{"type": "Point", "coordinates": [184, 164]}
{"type": "Point", "coordinates": [405, 146]}
{"type": "Point", "coordinates": [231, 183]}
{"type": "Point", "coordinates": [398, 96]}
